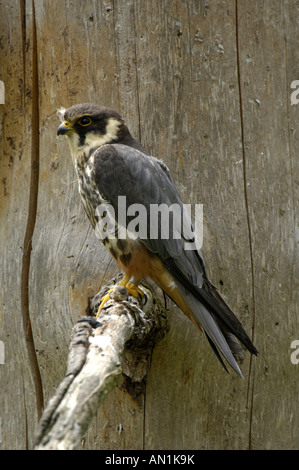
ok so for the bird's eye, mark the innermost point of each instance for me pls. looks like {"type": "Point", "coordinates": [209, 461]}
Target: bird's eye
{"type": "Point", "coordinates": [85, 121]}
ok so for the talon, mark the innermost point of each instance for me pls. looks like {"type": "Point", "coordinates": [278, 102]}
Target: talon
{"type": "Point", "coordinates": [134, 291]}
{"type": "Point", "coordinates": [104, 299]}
{"type": "Point", "coordinates": [130, 287]}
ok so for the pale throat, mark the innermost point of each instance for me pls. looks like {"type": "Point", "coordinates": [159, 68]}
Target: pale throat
{"type": "Point", "coordinates": [92, 140]}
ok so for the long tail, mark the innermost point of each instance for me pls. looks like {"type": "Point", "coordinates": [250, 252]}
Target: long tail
{"type": "Point", "coordinates": [208, 311]}
{"type": "Point", "coordinates": [219, 323]}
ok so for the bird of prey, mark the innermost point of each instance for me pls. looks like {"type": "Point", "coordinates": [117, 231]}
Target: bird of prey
{"type": "Point", "coordinates": [110, 163]}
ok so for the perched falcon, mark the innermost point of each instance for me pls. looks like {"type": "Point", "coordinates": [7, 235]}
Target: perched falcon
{"type": "Point", "coordinates": [110, 163]}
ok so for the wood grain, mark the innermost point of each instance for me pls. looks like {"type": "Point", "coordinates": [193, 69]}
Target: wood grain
{"type": "Point", "coordinates": [205, 86]}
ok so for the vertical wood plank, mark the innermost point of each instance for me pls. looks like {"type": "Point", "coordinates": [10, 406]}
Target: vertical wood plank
{"type": "Point", "coordinates": [269, 154]}
{"type": "Point", "coordinates": [205, 85]}
{"type": "Point", "coordinates": [189, 129]}
{"type": "Point", "coordinates": [72, 265]}
{"type": "Point", "coordinates": [20, 386]}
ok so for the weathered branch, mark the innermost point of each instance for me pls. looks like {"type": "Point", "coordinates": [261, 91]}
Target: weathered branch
{"type": "Point", "coordinates": [100, 351]}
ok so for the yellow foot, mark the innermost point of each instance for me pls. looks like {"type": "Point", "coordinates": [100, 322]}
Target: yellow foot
{"type": "Point", "coordinates": [131, 288]}
{"type": "Point", "coordinates": [134, 290]}
{"type": "Point", "coordinates": [104, 299]}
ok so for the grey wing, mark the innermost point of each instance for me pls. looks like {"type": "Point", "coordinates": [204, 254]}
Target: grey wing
{"type": "Point", "coordinates": [144, 180]}
{"type": "Point", "coordinates": [122, 170]}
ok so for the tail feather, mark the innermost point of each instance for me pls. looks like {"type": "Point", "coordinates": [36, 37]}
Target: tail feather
{"type": "Point", "coordinates": [209, 311]}
{"type": "Point", "coordinates": [216, 337]}
{"type": "Point", "coordinates": [229, 323]}
{"type": "Point", "coordinates": [221, 326]}
{"type": "Point", "coordinates": [215, 306]}
{"type": "Point", "coordinates": [235, 347]}
{"type": "Point", "coordinates": [216, 352]}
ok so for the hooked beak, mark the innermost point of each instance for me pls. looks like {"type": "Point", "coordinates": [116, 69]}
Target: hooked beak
{"type": "Point", "coordinates": [64, 128]}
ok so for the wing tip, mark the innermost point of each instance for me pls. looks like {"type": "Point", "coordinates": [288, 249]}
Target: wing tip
{"type": "Point", "coordinates": [232, 362]}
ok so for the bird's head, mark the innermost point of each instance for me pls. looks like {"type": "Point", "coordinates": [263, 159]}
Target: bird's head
{"type": "Point", "coordinates": [88, 126]}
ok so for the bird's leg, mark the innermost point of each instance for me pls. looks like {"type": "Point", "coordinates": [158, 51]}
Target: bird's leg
{"type": "Point", "coordinates": [131, 288]}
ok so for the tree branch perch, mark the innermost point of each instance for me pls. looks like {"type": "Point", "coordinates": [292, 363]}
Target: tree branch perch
{"type": "Point", "coordinates": [119, 342]}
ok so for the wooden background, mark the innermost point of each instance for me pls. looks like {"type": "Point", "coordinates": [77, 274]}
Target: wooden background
{"type": "Point", "coordinates": [206, 86]}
